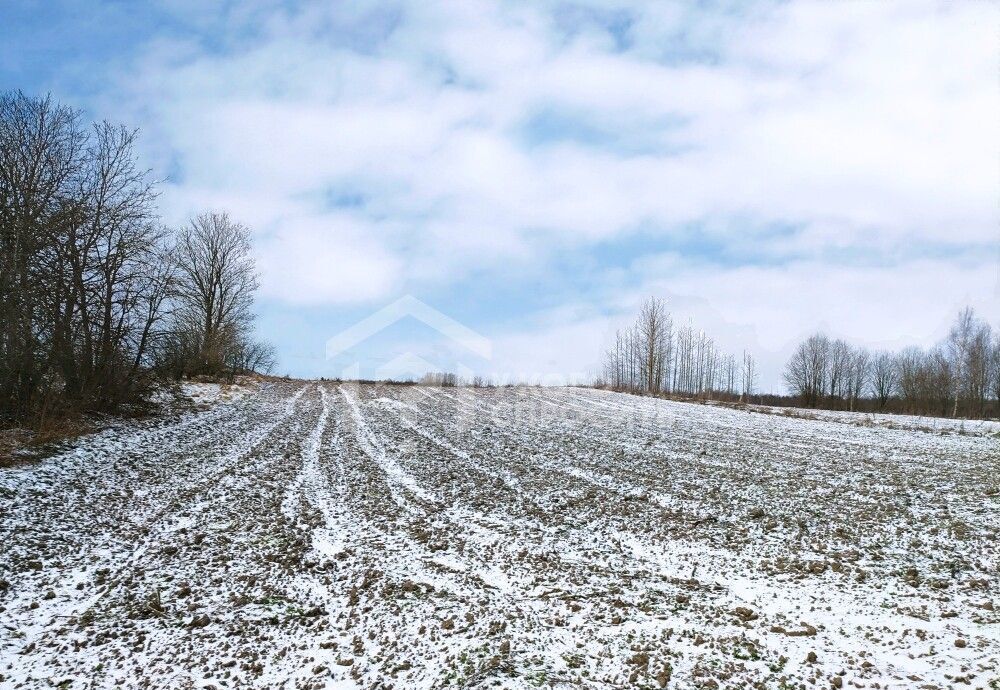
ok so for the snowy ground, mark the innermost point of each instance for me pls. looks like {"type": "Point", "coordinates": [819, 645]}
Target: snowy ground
{"type": "Point", "coordinates": [202, 394]}
{"type": "Point", "coordinates": [937, 425]}
{"type": "Point", "coordinates": [341, 536]}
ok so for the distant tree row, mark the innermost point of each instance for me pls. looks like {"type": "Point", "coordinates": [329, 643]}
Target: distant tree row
{"type": "Point", "coordinates": [655, 355]}
{"type": "Point", "coordinates": [438, 378]}
{"type": "Point", "coordinates": [958, 377]}
{"type": "Point", "coordinates": [95, 294]}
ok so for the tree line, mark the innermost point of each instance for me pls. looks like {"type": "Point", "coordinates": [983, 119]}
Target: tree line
{"type": "Point", "coordinates": [97, 297]}
{"type": "Point", "coordinates": [657, 356]}
{"type": "Point", "coordinates": [957, 377]}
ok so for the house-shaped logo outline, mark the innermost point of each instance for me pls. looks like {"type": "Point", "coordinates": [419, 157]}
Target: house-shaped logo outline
{"type": "Point", "coordinates": [400, 309]}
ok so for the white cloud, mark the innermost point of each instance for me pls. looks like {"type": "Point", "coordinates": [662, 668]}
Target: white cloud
{"type": "Point", "coordinates": [869, 129]}
{"type": "Point", "coordinates": [876, 113]}
{"type": "Point", "coordinates": [325, 261]}
{"type": "Point", "coordinates": [764, 309]}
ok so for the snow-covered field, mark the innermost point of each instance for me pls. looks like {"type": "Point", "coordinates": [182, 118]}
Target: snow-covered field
{"type": "Point", "coordinates": [937, 425]}
{"type": "Point", "coordinates": [320, 535]}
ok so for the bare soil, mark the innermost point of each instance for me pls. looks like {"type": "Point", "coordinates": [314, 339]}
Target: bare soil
{"type": "Point", "coordinates": [322, 535]}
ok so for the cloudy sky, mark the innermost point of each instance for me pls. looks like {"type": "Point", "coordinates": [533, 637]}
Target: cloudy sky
{"type": "Point", "coordinates": [533, 170]}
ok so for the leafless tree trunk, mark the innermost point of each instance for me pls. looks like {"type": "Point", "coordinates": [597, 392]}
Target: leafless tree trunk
{"type": "Point", "coordinates": [652, 356]}
{"type": "Point", "coordinates": [838, 369]}
{"type": "Point", "coordinates": [79, 260]}
{"type": "Point", "coordinates": [652, 331]}
{"type": "Point", "coordinates": [41, 145]}
{"type": "Point", "coordinates": [995, 373]}
{"type": "Point", "coordinates": [883, 377]}
{"type": "Point", "coordinates": [749, 375]}
{"type": "Point", "coordinates": [806, 373]}
{"type": "Point", "coordinates": [968, 353]}
{"type": "Point", "coordinates": [216, 283]}
{"type": "Point", "coordinates": [860, 372]}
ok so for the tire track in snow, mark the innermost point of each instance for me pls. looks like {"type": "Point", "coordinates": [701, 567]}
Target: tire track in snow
{"type": "Point", "coordinates": [119, 564]}
{"type": "Point", "coordinates": [398, 479]}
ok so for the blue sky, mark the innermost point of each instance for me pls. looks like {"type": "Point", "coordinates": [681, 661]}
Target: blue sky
{"type": "Point", "coordinates": [535, 169]}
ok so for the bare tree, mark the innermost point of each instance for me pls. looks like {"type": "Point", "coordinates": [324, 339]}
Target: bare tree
{"type": "Point", "coordinates": [976, 385]}
{"type": "Point", "coordinates": [925, 380]}
{"type": "Point", "coordinates": [216, 283]}
{"type": "Point", "coordinates": [883, 377]}
{"type": "Point", "coordinates": [251, 356]}
{"type": "Point", "coordinates": [652, 331]}
{"type": "Point", "coordinates": [938, 381]}
{"type": "Point", "coordinates": [960, 375]}
{"type": "Point", "coordinates": [858, 375]}
{"type": "Point", "coordinates": [838, 369]}
{"type": "Point", "coordinates": [110, 251]}
{"type": "Point", "coordinates": [995, 370]}
{"type": "Point", "coordinates": [81, 272]}
{"type": "Point", "coordinates": [88, 277]}
{"type": "Point", "coordinates": [749, 375]}
{"type": "Point", "coordinates": [959, 343]}
{"type": "Point", "coordinates": [911, 374]}
{"type": "Point", "coordinates": [653, 356]}
{"type": "Point", "coordinates": [968, 349]}
{"type": "Point", "coordinates": [41, 149]}
{"type": "Point", "coordinates": [806, 373]}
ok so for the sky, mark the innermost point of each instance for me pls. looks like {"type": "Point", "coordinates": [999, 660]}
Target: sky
{"type": "Point", "coordinates": [534, 170]}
